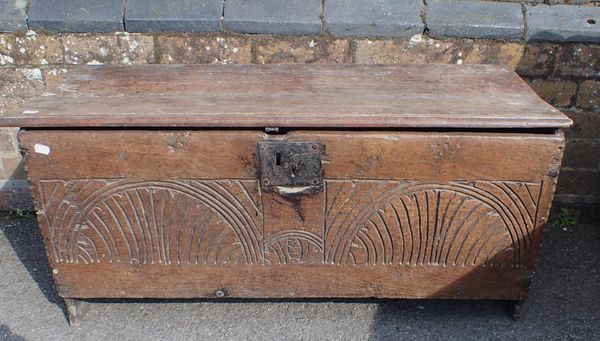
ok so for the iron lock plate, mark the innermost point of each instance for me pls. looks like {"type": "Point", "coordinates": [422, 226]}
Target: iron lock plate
{"type": "Point", "coordinates": [290, 164]}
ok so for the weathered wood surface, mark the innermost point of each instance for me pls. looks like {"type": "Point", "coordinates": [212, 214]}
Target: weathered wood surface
{"type": "Point", "coordinates": [290, 281]}
{"type": "Point", "coordinates": [232, 155]}
{"type": "Point", "coordinates": [181, 214]}
{"type": "Point", "coordinates": [428, 96]}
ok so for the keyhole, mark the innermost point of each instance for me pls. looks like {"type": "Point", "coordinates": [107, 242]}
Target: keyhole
{"type": "Point", "coordinates": [293, 171]}
{"type": "Point", "coordinates": [278, 158]}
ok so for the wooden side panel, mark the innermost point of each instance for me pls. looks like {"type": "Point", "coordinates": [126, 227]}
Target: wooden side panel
{"type": "Point", "coordinates": [135, 214]}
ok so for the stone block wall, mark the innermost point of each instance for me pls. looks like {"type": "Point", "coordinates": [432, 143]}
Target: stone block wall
{"type": "Point", "coordinates": [565, 74]}
{"type": "Point", "coordinates": [529, 20]}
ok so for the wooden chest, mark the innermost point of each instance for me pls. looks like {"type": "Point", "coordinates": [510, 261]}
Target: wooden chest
{"type": "Point", "coordinates": [292, 180]}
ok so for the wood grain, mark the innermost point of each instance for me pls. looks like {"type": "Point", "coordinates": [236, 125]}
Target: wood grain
{"type": "Point", "coordinates": [456, 223]}
{"type": "Point", "coordinates": [180, 213]}
{"type": "Point", "coordinates": [426, 96]}
{"type": "Point", "coordinates": [81, 154]}
{"type": "Point", "coordinates": [159, 213]}
{"type": "Point", "coordinates": [289, 281]}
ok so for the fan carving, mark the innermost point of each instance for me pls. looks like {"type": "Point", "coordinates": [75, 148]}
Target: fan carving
{"type": "Point", "coordinates": [367, 223]}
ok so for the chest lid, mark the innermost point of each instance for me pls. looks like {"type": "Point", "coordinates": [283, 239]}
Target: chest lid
{"type": "Point", "coordinates": [315, 96]}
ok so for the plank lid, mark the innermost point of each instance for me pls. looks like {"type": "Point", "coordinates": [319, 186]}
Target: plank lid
{"type": "Point", "coordinates": [325, 96]}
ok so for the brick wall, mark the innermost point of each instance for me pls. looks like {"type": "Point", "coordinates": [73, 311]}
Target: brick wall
{"type": "Point", "coordinates": [564, 74]}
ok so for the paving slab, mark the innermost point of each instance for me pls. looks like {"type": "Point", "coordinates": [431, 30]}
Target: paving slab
{"type": "Point", "coordinates": [12, 15]}
{"type": "Point", "coordinates": [273, 16]}
{"type": "Point", "coordinates": [564, 23]}
{"type": "Point", "coordinates": [374, 18]}
{"type": "Point", "coordinates": [475, 19]}
{"type": "Point", "coordinates": [173, 16]}
{"type": "Point", "coordinates": [76, 15]}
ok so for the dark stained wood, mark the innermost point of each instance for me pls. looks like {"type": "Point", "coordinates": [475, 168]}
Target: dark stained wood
{"type": "Point", "coordinates": [151, 155]}
{"type": "Point", "coordinates": [81, 154]}
{"type": "Point", "coordinates": [293, 228]}
{"type": "Point", "coordinates": [135, 212]}
{"type": "Point", "coordinates": [402, 214]}
{"type": "Point", "coordinates": [426, 96]}
{"type": "Point", "coordinates": [290, 281]}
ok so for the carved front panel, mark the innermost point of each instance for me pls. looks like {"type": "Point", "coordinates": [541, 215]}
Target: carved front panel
{"type": "Point", "coordinates": [481, 223]}
{"type": "Point", "coordinates": [153, 222]}
{"type": "Point", "coordinates": [350, 224]}
{"type": "Point", "coordinates": [181, 214]}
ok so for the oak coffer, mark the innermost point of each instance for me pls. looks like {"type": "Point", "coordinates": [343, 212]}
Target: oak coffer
{"type": "Point", "coordinates": [280, 181]}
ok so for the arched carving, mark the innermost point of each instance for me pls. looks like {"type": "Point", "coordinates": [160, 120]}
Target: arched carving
{"type": "Point", "coordinates": [293, 246]}
{"type": "Point", "coordinates": [160, 222]}
{"type": "Point", "coordinates": [488, 224]}
{"type": "Point", "coordinates": [370, 223]}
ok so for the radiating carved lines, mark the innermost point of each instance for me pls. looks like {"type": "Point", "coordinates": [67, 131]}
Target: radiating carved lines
{"type": "Point", "coordinates": [293, 246]}
{"type": "Point", "coordinates": [154, 222]}
{"type": "Point", "coordinates": [512, 201]}
{"type": "Point", "coordinates": [349, 195]}
{"type": "Point", "coordinates": [478, 223]}
{"type": "Point", "coordinates": [58, 212]}
{"type": "Point", "coordinates": [458, 223]}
